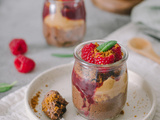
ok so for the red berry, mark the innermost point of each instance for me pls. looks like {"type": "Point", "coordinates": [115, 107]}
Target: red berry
{"type": "Point", "coordinates": [100, 60]}
{"type": "Point", "coordinates": [88, 53]}
{"type": "Point", "coordinates": [117, 51]}
{"type": "Point", "coordinates": [24, 64]}
{"type": "Point", "coordinates": [18, 46]}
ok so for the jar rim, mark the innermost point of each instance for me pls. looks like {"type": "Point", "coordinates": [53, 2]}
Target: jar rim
{"type": "Point", "coordinates": [115, 64]}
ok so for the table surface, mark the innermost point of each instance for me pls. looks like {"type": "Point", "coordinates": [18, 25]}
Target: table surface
{"type": "Point", "coordinates": [23, 19]}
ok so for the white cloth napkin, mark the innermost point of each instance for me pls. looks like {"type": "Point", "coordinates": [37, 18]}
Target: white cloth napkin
{"type": "Point", "coordinates": [147, 16]}
{"type": "Point", "coordinates": [12, 106]}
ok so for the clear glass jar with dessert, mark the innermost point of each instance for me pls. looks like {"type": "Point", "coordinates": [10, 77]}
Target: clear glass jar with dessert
{"type": "Point", "coordinates": [99, 79]}
{"type": "Point", "coordinates": [64, 22]}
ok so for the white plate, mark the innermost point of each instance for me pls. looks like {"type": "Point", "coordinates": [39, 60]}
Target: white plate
{"type": "Point", "coordinates": [140, 105]}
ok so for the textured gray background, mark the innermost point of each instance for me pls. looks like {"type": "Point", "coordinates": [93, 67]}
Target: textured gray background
{"type": "Point", "coordinates": [23, 19]}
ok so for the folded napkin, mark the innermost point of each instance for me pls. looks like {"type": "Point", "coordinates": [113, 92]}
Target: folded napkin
{"type": "Point", "coordinates": [12, 106]}
{"type": "Point", "coordinates": [147, 16]}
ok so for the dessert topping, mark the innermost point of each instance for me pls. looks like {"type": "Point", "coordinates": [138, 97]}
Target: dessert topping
{"type": "Point", "coordinates": [117, 50]}
{"type": "Point", "coordinates": [88, 52]}
{"type": "Point", "coordinates": [102, 60]}
{"type": "Point", "coordinates": [103, 54]}
{"type": "Point", "coordinates": [106, 46]}
{"type": "Point", "coordinates": [34, 101]}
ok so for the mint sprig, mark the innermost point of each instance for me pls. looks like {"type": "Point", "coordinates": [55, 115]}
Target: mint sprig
{"type": "Point", "coordinates": [5, 86]}
{"type": "Point", "coordinates": [106, 46]}
{"type": "Point", "coordinates": [62, 55]}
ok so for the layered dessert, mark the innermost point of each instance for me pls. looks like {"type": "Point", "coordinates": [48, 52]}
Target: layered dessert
{"type": "Point", "coordinates": [99, 80]}
{"type": "Point", "coordinates": [54, 105]}
{"type": "Point", "coordinates": [64, 22]}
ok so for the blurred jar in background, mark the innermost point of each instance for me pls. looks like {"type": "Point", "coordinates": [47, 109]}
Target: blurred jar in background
{"type": "Point", "coordinates": [64, 22]}
{"type": "Point", "coordinates": [116, 6]}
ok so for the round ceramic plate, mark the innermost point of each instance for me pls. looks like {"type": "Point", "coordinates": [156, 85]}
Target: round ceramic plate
{"type": "Point", "coordinates": [140, 105]}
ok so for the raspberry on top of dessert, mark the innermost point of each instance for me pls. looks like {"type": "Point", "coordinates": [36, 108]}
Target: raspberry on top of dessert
{"type": "Point", "coordinates": [103, 54]}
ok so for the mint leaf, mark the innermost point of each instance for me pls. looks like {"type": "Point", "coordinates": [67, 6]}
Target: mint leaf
{"type": "Point", "coordinates": [62, 55]}
{"type": "Point", "coordinates": [5, 87]}
{"type": "Point", "coordinates": [106, 46]}
{"type": "Point", "coordinates": [102, 46]}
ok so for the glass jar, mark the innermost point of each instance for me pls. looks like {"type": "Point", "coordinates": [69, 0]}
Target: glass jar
{"type": "Point", "coordinates": [64, 22]}
{"type": "Point", "coordinates": [99, 92]}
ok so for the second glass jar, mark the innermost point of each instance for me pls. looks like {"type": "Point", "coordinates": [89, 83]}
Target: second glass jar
{"type": "Point", "coordinates": [64, 22]}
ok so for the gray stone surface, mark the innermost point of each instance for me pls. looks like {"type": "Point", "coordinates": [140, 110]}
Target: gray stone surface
{"type": "Point", "coordinates": [23, 19]}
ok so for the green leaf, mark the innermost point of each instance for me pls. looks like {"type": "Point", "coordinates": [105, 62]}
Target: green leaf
{"type": "Point", "coordinates": [62, 55]}
{"type": "Point", "coordinates": [5, 87]}
{"type": "Point", "coordinates": [106, 46]}
{"type": "Point", "coordinates": [102, 46]}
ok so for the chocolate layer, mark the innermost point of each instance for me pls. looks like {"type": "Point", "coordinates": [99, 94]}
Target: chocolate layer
{"type": "Point", "coordinates": [61, 37]}
{"type": "Point", "coordinates": [99, 93]}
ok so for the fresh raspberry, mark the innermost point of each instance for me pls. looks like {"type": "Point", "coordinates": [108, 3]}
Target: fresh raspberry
{"type": "Point", "coordinates": [117, 51]}
{"type": "Point", "coordinates": [18, 46]}
{"type": "Point", "coordinates": [88, 53]}
{"type": "Point", "coordinates": [100, 60]}
{"type": "Point", "coordinates": [24, 64]}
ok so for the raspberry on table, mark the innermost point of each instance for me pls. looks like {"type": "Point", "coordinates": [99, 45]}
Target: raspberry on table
{"type": "Point", "coordinates": [24, 64]}
{"type": "Point", "coordinates": [88, 52]}
{"type": "Point", "coordinates": [18, 46]}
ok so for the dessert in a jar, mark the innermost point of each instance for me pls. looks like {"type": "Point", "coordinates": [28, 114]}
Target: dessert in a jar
{"type": "Point", "coordinates": [64, 22]}
{"type": "Point", "coordinates": [99, 79]}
